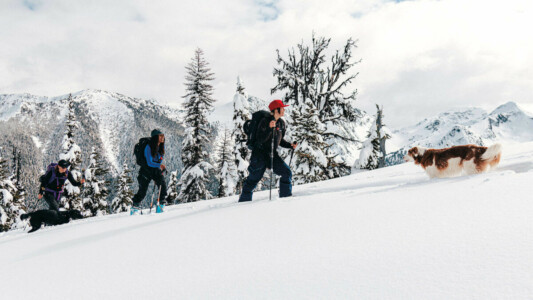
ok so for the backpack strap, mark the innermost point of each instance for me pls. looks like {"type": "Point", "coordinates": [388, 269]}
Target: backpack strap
{"type": "Point", "coordinates": [53, 168]}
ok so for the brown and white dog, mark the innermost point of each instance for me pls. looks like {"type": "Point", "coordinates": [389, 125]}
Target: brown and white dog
{"type": "Point", "coordinates": [453, 161]}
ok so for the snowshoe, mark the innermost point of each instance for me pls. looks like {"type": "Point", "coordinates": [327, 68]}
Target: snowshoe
{"type": "Point", "coordinates": [160, 208]}
{"type": "Point", "coordinates": [135, 210]}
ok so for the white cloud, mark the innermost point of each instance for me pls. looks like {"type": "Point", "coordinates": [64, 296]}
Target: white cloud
{"type": "Point", "coordinates": [419, 57]}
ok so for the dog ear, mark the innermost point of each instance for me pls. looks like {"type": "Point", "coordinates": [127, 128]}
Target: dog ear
{"type": "Point", "coordinates": [413, 152]}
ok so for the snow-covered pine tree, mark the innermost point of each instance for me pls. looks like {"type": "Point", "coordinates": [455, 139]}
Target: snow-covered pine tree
{"type": "Point", "coordinates": [19, 195]}
{"type": "Point", "coordinates": [10, 208]}
{"type": "Point", "coordinates": [226, 170]}
{"type": "Point", "coordinates": [199, 102]}
{"type": "Point", "coordinates": [123, 199]}
{"type": "Point", "coordinates": [72, 154]}
{"type": "Point", "coordinates": [172, 195]}
{"type": "Point", "coordinates": [95, 190]}
{"type": "Point", "coordinates": [240, 88]}
{"type": "Point", "coordinates": [369, 155]}
{"type": "Point", "coordinates": [311, 163]}
{"type": "Point", "coordinates": [383, 134]}
{"type": "Point", "coordinates": [304, 76]}
{"type": "Point", "coordinates": [5, 196]}
{"type": "Point", "coordinates": [241, 153]}
{"type": "Point", "coordinates": [372, 155]}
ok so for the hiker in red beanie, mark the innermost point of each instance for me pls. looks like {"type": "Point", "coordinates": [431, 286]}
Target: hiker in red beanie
{"type": "Point", "coordinates": [266, 131]}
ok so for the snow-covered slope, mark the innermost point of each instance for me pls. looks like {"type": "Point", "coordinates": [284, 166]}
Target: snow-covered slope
{"type": "Point", "coordinates": [386, 234]}
{"type": "Point", "coordinates": [507, 123]}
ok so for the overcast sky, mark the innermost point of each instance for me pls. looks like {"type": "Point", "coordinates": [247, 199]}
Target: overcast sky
{"type": "Point", "coordinates": [419, 57]}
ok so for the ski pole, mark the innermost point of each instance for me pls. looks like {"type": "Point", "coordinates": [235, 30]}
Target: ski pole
{"type": "Point", "coordinates": [158, 195]}
{"type": "Point", "coordinates": [35, 203]}
{"type": "Point", "coordinates": [272, 162]}
{"type": "Point", "coordinates": [292, 153]}
{"type": "Point", "coordinates": [152, 202]}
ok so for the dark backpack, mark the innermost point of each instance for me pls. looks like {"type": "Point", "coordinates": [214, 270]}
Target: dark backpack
{"type": "Point", "coordinates": [51, 168]}
{"type": "Point", "coordinates": [250, 127]}
{"type": "Point", "coordinates": [138, 151]}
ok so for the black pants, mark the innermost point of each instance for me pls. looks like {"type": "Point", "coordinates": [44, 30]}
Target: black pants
{"type": "Point", "coordinates": [50, 198]}
{"type": "Point", "coordinates": [144, 178]}
{"type": "Point", "coordinates": [258, 165]}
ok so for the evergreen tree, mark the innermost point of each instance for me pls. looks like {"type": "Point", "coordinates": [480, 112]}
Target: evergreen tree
{"type": "Point", "coordinates": [5, 196]}
{"type": "Point", "coordinates": [383, 134]}
{"type": "Point", "coordinates": [304, 77]}
{"type": "Point", "coordinates": [372, 155]}
{"type": "Point", "coordinates": [225, 165]}
{"type": "Point", "coordinates": [95, 192]}
{"type": "Point", "coordinates": [124, 197]}
{"type": "Point", "coordinates": [19, 195]}
{"type": "Point", "coordinates": [311, 161]}
{"type": "Point", "coordinates": [198, 104]}
{"type": "Point", "coordinates": [172, 195]}
{"type": "Point", "coordinates": [241, 114]}
{"type": "Point", "coordinates": [240, 88]}
{"type": "Point", "coordinates": [72, 154]}
{"type": "Point", "coordinates": [10, 207]}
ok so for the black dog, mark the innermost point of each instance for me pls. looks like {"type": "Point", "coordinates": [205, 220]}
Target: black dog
{"type": "Point", "coordinates": [50, 217]}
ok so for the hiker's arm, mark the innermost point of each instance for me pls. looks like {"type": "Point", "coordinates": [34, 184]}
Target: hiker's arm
{"type": "Point", "coordinates": [46, 178]}
{"type": "Point", "coordinates": [149, 158]}
{"type": "Point", "coordinates": [283, 143]}
{"type": "Point", "coordinates": [74, 182]}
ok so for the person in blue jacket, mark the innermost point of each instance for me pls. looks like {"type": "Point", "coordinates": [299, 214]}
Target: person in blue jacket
{"type": "Point", "coordinates": [153, 152]}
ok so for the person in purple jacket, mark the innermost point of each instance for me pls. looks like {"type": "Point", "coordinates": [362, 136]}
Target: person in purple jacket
{"type": "Point", "coordinates": [153, 152]}
{"type": "Point", "coordinates": [52, 183]}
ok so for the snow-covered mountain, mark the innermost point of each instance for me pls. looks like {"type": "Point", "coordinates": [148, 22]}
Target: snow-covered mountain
{"type": "Point", "coordinates": [109, 121]}
{"type": "Point", "coordinates": [371, 235]}
{"type": "Point", "coordinates": [508, 123]}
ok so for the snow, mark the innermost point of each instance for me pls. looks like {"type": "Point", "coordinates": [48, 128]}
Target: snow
{"type": "Point", "coordinates": [36, 141]}
{"type": "Point", "coordinates": [390, 233]}
{"type": "Point", "coordinates": [3, 215]}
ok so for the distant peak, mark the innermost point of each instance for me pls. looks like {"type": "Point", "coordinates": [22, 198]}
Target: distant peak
{"type": "Point", "coordinates": [506, 108]}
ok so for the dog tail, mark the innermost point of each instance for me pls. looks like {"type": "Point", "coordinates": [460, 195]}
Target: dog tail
{"type": "Point", "coordinates": [493, 154]}
{"type": "Point", "coordinates": [24, 216]}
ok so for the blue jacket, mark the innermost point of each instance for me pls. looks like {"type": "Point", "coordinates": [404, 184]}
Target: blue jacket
{"type": "Point", "coordinates": [153, 162]}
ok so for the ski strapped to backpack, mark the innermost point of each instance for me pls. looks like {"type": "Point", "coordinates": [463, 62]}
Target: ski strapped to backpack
{"type": "Point", "coordinates": [250, 127]}
{"type": "Point", "coordinates": [138, 151]}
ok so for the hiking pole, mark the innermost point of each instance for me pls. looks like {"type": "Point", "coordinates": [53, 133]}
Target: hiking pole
{"type": "Point", "coordinates": [35, 204]}
{"type": "Point", "coordinates": [152, 202]}
{"type": "Point", "coordinates": [158, 195]}
{"type": "Point", "coordinates": [292, 153]}
{"type": "Point", "coordinates": [272, 163]}
{"type": "Point", "coordinates": [159, 192]}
